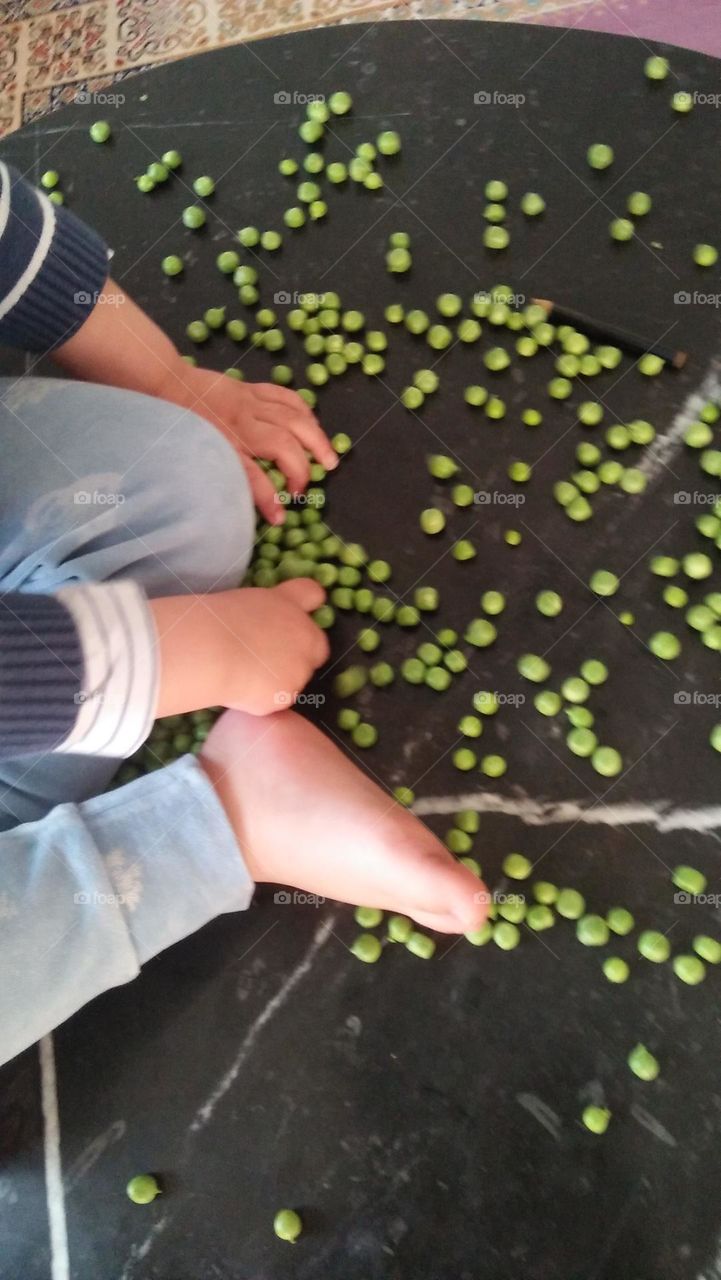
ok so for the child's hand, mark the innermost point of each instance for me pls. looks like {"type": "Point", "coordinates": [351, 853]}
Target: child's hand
{"type": "Point", "coordinates": [262, 421]}
{"type": "Point", "coordinates": [253, 649]}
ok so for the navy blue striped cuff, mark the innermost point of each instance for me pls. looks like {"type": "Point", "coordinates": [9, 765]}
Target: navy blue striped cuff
{"type": "Point", "coordinates": [41, 668]}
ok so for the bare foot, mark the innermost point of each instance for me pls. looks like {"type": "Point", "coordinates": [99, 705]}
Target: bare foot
{"type": "Point", "coordinates": [304, 815]}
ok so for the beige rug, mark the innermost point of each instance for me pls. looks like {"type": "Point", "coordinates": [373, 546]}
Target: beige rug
{"type": "Point", "coordinates": [49, 49]}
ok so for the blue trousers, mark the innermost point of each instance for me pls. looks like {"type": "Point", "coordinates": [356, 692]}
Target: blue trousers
{"type": "Point", "coordinates": [93, 884]}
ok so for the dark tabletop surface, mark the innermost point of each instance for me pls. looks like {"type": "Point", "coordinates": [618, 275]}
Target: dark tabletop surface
{"type": "Point", "coordinates": [424, 1118]}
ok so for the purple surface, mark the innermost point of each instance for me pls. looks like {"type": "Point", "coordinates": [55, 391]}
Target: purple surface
{"type": "Point", "coordinates": [695, 24]}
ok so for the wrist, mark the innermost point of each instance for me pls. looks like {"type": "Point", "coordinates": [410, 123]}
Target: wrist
{"type": "Point", "coordinates": [193, 650]}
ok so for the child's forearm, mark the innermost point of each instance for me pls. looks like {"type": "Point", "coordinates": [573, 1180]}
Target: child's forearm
{"type": "Point", "coordinates": [121, 346]}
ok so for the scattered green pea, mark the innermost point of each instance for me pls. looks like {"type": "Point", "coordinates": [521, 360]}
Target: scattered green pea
{"type": "Point", "coordinates": [599, 155]}
{"type": "Point", "coordinates": [570, 904]}
{"type": "Point", "coordinates": [654, 946]}
{"type": "Point", "coordinates": [143, 1188]}
{"type": "Point", "coordinates": [100, 131]}
{"type": "Point", "coordinates": [596, 1119]}
{"type": "Point", "coordinates": [690, 969]}
{"type": "Point", "coordinates": [517, 866]}
{"type": "Point", "coordinates": [616, 969]}
{"type": "Point", "coordinates": [419, 944]}
{"type": "Point", "coordinates": [619, 921]}
{"type": "Point", "coordinates": [592, 931]}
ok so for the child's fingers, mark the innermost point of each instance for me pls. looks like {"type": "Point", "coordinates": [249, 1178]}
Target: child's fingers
{"type": "Point", "coordinates": [263, 491]}
{"type": "Point", "coordinates": [285, 450]}
{"type": "Point", "coordinates": [303, 424]}
{"type": "Point", "coordinates": [304, 592]}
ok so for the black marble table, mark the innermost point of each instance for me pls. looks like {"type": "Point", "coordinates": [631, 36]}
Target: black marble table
{"type": "Point", "coordinates": [424, 1118]}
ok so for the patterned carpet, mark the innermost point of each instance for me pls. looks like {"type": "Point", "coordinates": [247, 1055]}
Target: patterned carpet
{"type": "Point", "coordinates": [51, 49]}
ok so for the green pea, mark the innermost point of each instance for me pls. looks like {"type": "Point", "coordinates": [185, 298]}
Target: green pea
{"type": "Point", "coordinates": [526, 346]}
{"type": "Point", "coordinates": [656, 67]}
{"type": "Point", "coordinates": [689, 969]}
{"type": "Point", "coordinates": [650, 365]}
{"type": "Point", "coordinates": [596, 1119]}
{"type": "Point", "coordinates": [627, 618]}
{"type": "Point", "coordinates": [594, 672]}
{"type": "Point", "coordinates": [398, 261]}
{"type": "Point", "coordinates": [618, 437]}
{"type": "Point", "coordinates": [619, 921]}
{"type": "Point", "coordinates": [549, 603]}
{"type": "Point", "coordinates": [531, 418]}
{"type": "Point", "coordinates": [412, 397]}
{"type": "Point", "coordinates": [689, 880]}
{"type": "Point", "coordinates": [559, 388]}
{"type": "Point", "coordinates": [517, 866]}
{"type": "Point", "coordinates": [100, 131]}
{"type": "Point", "coordinates": [570, 904]}
{"type": "Point", "coordinates": [575, 689]}
{"type": "Point", "coordinates": [350, 681]}
{"type": "Point", "coordinates": [582, 742]}
{"type": "Point", "coordinates": [592, 931]}
{"type": "Point", "coordinates": [271, 240]}
{"type": "Point", "coordinates": [604, 583]}
{"type": "Point", "coordinates": [495, 408]}
{"type": "Point", "coordinates": [697, 565]}
{"type": "Point", "coordinates": [495, 237]}
{"type": "Point", "coordinates": [479, 937]}
{"type": "Point", "coordinates": [540, 917]}
{"type": "Point", "coordinates": [494, 766]}
{"type": "Point", "coordinates": [475, 395]}
{"type": "Point", "coordinates": [600, 155]}
{"type": "Point", "coordinates": [642, 1063]}
{"type": "Point", "coordinates": [705, 255]}
{"type": "Point", "coordinates": [381, 675]}
{"type": "Point", "coordinates": [458, 841]}
{"type": "Point", "coordinates": [204, 187]}
{"type": "Point", "coordinates": [622, 229]}
{"type": "Point", "coordinates": [419, 944]}
{"type": "Point", "coordinates": [441, 467]}
{"type": "Point", "coordinates": [616, 969]}
{"type": "Point", "coordinates": [172, 265]}
{"type": "Point", "coordinates": [590, 413]}
{"type": "Point", "coordinates": [654, 946]}
{"type": "Point", "coordinates": [340, 103]}
{"type": "Point", "coordinates": [347, 718]}
{"type": "Point", "coordinates": [485, 702]}
{"type": "Point", "coordinates": [143, 1188]}
{"type": "Point", "coordinates": [547, 702]}
{"type": "Point", "coordinates": [470, 726]}
{"type": "Point", "coordinates": [494, 213]}
{"type": "Point", "coordinates": [532, 204]}
{"type": "Point", "coordinates": [545, 892]}
{"type": "Point", "coordinates": [364, 735]}
{"type": "Point", "coordinates": [50, 179]}
{"type": "Point", "coordinates": [197, 331]}
{"type": "Point", "coordinates": [665, 645]}
{"type": "Point", "coordinates": [493, 602]}
{"type": "Point", "coordinates": [57, 197]}
{"type": "Point", "coordinates": [512, 537]}
{"type": "Point", "coordinates": [368, 917]}
{"type": "Point", "coordinates": [463, 550]}
{"type": "Point", "coordinates": [506, 935]}
{"type": "Point", "coordinates": [437, 678]}
{"type": "Point", "coordinates": [496, 359]}
{"type": "Point", "coordinates": [480, 633]}
{"type": "Point", "coordinates": [532, 667]}
{"type": "Point", "coordinates": [249, 237]}
{"type": "Point", "coordinates": [638, 204]}
{"type": "Point", "coordinates": [468, 820]}
{"type": "Point", "coordinates": [579, 716]}
{"type": "Point", "coordinates": [709, 949]}
{"type": "Point", "coordinates": [463, 758]}
{"type": "Point", "coordinates": [404, 796]}
{"type": "Point", "coordinates": [610, 472]}
{"type": "Point", "coordinates": [633, 480]}
{"type": "Point", "coordinates": [407, 615]}
{"type": "Point", "coordinates": [399, 928]}
{"type": "Point", "coordinates": [495, 190]}
{"type": "Point", "coordinates": [607, 761]}
{"type": "Point", "coordinates": [519, 472]}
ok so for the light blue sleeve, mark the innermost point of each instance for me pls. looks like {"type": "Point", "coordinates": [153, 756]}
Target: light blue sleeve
{"type": "Point", "coordinates": [92, 891]}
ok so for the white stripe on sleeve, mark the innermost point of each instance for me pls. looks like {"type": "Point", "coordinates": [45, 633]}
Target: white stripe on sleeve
{"type": "Point", "coordinates": [45, 240]}
{"type": "Point", "coordinates": [117, 703]}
